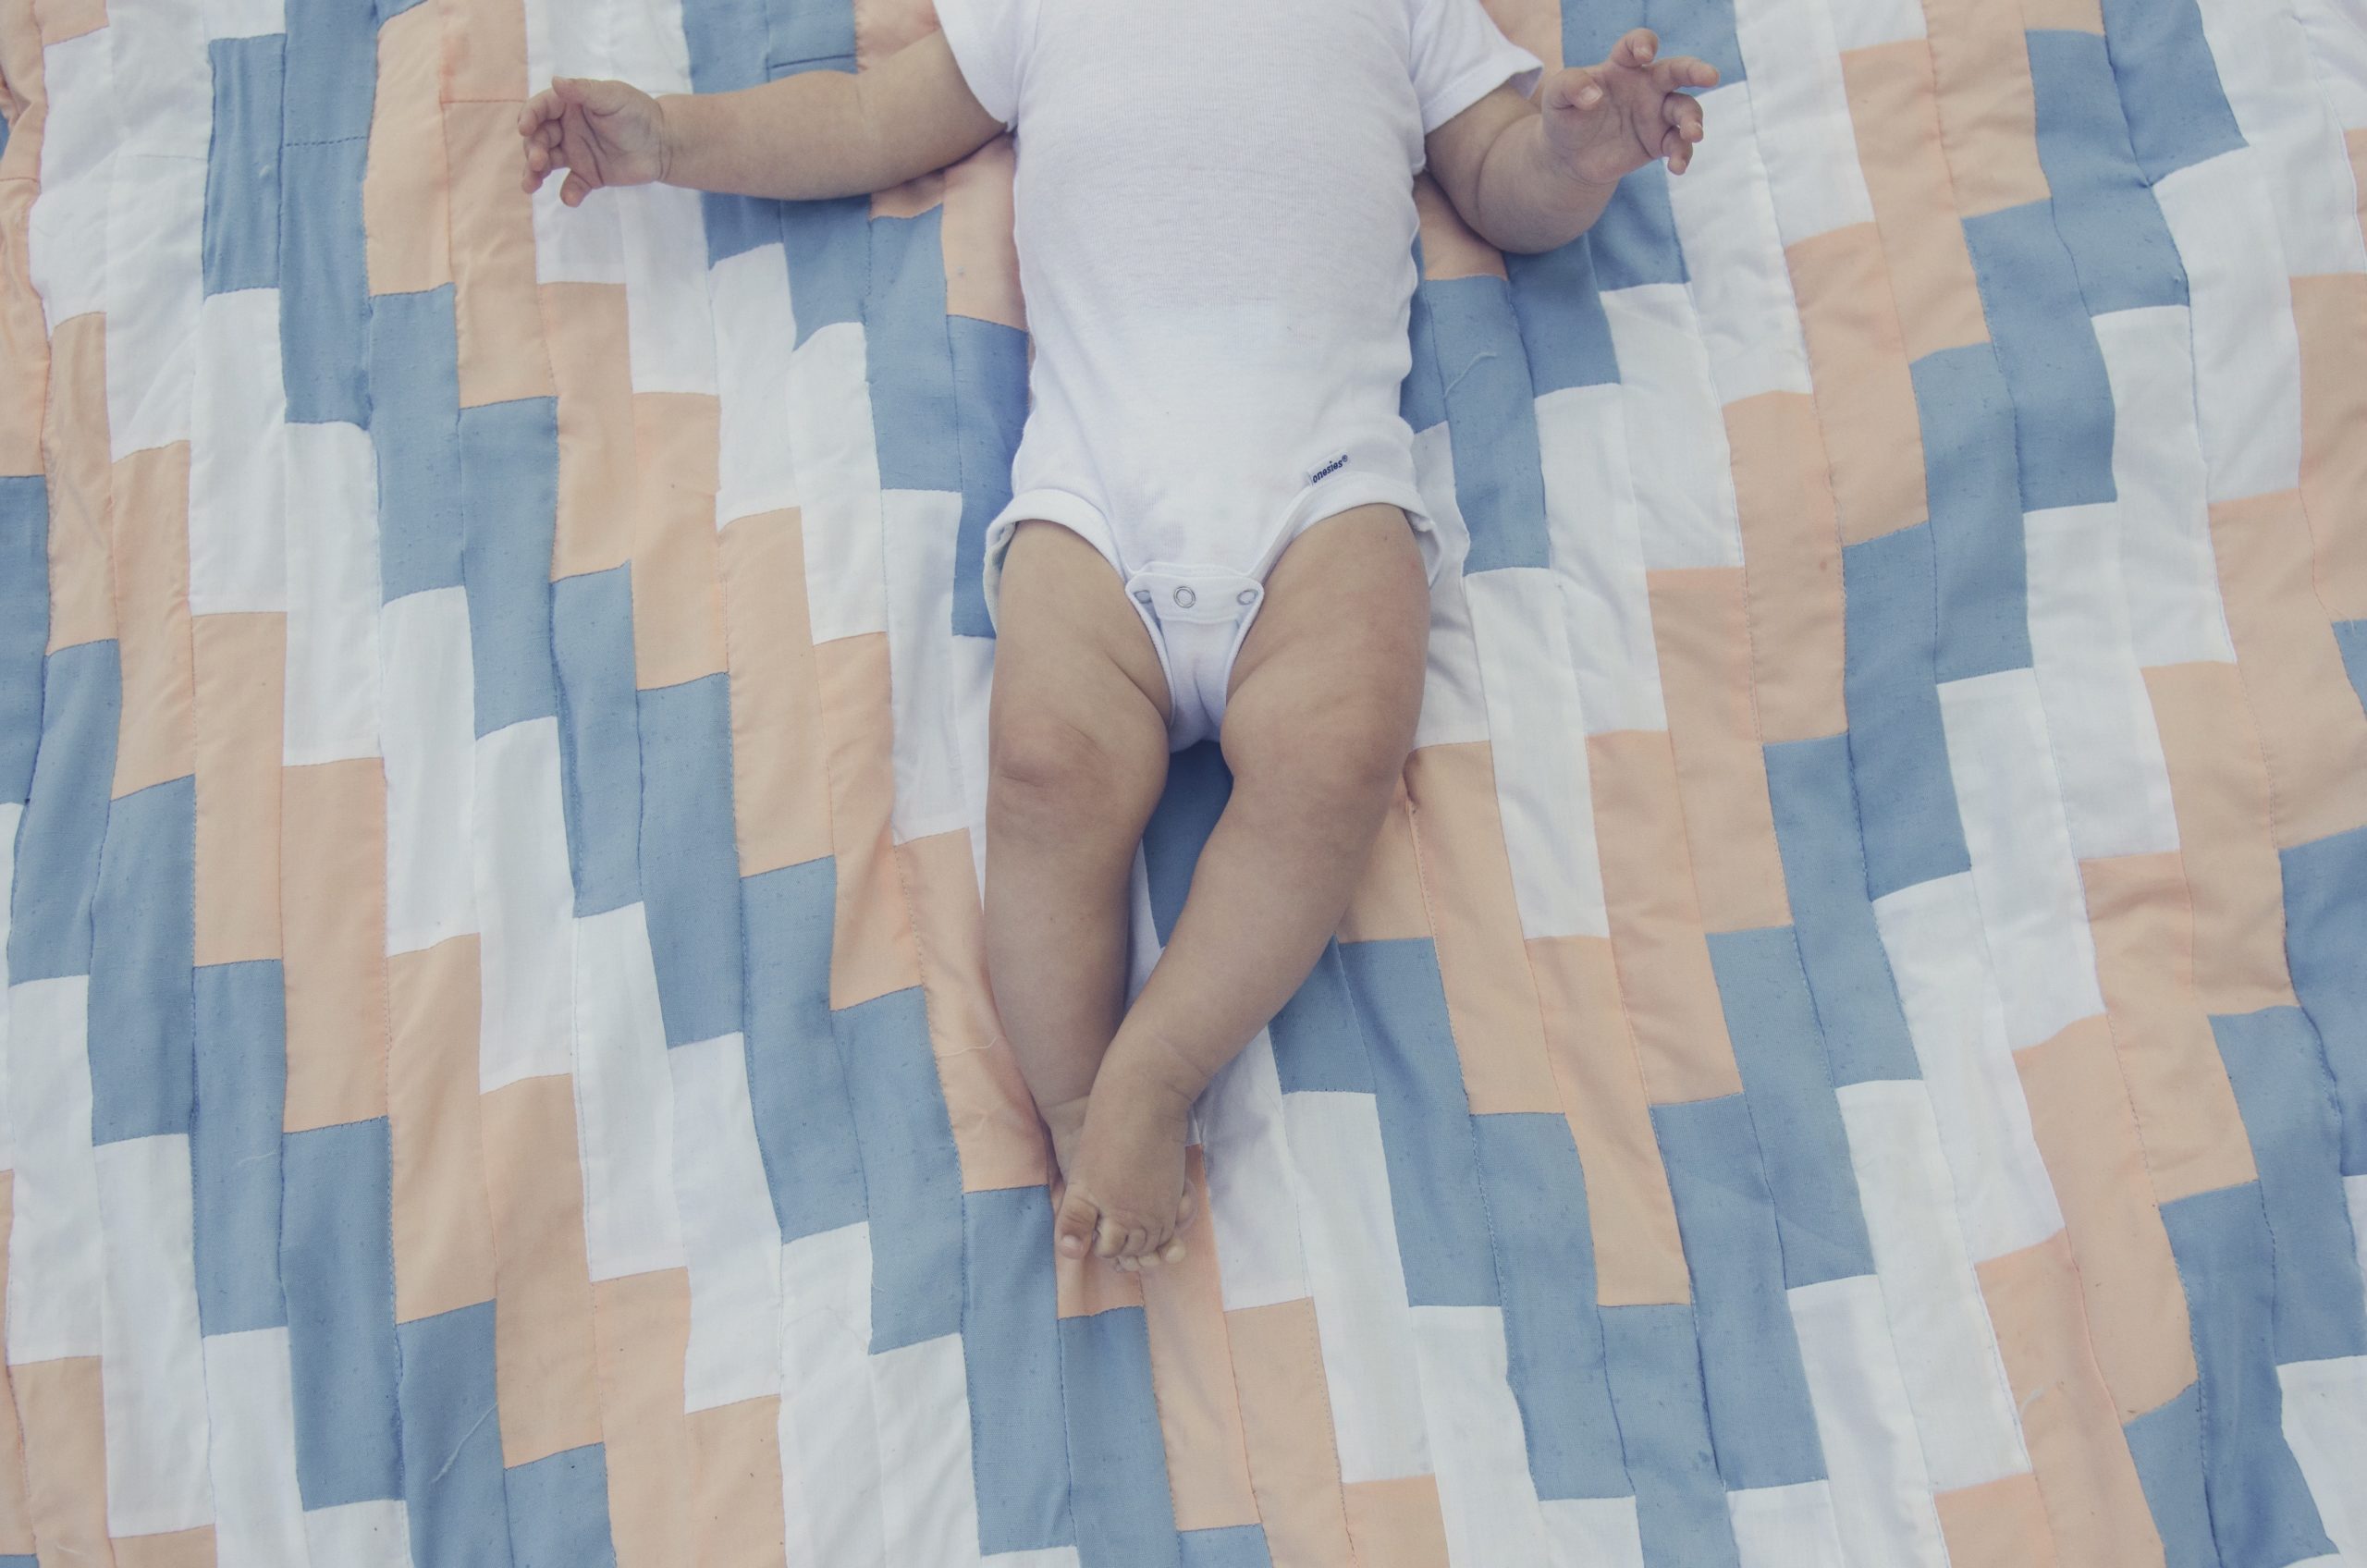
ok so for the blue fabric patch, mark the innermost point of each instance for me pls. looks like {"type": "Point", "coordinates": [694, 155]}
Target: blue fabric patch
{"type": "Point", "coordinates": [797, 1085]}
{"type": "Point", "coordinates": [1557, 301]}
{"type": "Point", "coordinates": [452, 1482]}
{"type": "Point", "coordinates": [990, 407]}
{"type": "Point", "coordinates": [24, 627]}
{"type": "Point", "coordinates": [2325, 944]}
{"type": "Point", "coordinates": [1421, 402]}
{"type": "Point", "coordinates": [1544, 1245]}
{"type": "Point", "coordinates": [2281, 1089]}
{"type": "Point", "coordinates": [336, 1260]}
{"type": "Point", "coordinates": [2169, 84]}
{"type": "Point", "coordinates": [2166, 1443]}
{"type": "Point", "coordinates": [911, 1174]}
{"type": "Point", "coordinates": [66, 814]}
{"type": "Point", "coordinates": [827, 245]}
{"type": "Point", "coordinates": [1425, 1137]}
{"type": "Point", "coordinates": [2350, 636]}
{"type": "Point", "coordinates": [2104, 207]}
{"type": "Point", "coordinates": [1199, 785]}
{"type": "Point", "coordinates": [1236, 1546]}
{"type": "Point", "coordinates": [559, 1510]}
{"type": "Point", "coordinates": [332, 69]}
{"type": "Point", "coordinates": [690, 865]}
{"type": "Point", "coordinates": [1898, 749]}
{"type": "Point", "coordinates": [727, 41]}
{"type": "Point", "coordinates": [323, 280]}
{"type": "Point", "coordinates": [1759, 1416]}
{"type": "Point", "coordinates": [1121, 1499]}
{"type": "Point", "coordinates": [736, 224]}
{"type": "Point", "coordinates": [599, 736]}
{"type": "Point", "coordinates": [234, 1146]}
{"type": "Point", "coordinates": [241, 237]}
{"type": "Point", "coordinates": [143, 1055]}
{"type": "Point", "coordinates": [809, 35]}
{"type": "Point", "coordinates": [1788, 1088]}
{"type": "Point", "coordinates": [2062, 410]}
{"type": "Point", "coordinates": [509, 494]}
{"type": "Point", "coordinates": [913, 414]}
{"type": "Point", "coordinates": [1705, 28]}
{"type": "Point", "coordinates": [2260, 1506]}
{"type": "Point", "coordinates": [1491, 413]}
{"type": "Point", "coordinates": [1976, 507]}
{"type": "Point", "coordinates": [415, 426]}
{"type": "Point", "coordinates": [1663, 1426]}
{"type": "Point", "coordinates": [1010, 1344]}
{"type": "Point", "coordinates": [1319, 1044]}
{"type": "Point", "coordinates": [1824, 872]}
{"type": "Point", "coordinates": [1635, 240]}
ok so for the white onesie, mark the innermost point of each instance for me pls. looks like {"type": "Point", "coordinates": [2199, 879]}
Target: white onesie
{"type": "Point", "coordinates": [1215, 228]}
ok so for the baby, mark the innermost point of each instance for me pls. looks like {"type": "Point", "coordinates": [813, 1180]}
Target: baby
{"type": "Point", "coordinates": [1214, 529]}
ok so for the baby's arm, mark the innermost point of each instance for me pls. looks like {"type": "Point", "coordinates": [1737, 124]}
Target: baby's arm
{"type": "Point", "coordinates": [804, 136]}
{"type": "Point", "coordinates": [1533, 174]}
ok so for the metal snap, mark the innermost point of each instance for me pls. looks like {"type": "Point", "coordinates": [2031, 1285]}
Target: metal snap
{"type": "Point", "coordinates": [1246, 597]}
{"type": "Point", "coordinates": [1142, 595]}
{"type": "Point", "coordinates": [1185, 598]}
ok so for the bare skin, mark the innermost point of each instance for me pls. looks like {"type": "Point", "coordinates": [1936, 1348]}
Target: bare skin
{"type": "Point", "coordinates": [1324, 693]}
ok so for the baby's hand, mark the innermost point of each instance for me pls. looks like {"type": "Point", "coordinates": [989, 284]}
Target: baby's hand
{"type": "Point", "coordinates": [601, 132]}
{"type": "Point", "coordinates": [1606, 120]}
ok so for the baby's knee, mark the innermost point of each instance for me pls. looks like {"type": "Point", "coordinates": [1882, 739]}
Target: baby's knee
{"type": "Point", "coordinates": [1346, 749]}
{"type": "Point", "coordinates": [1064, 772]}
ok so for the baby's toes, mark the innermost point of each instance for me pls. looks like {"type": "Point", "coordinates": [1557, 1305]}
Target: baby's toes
{"type": "Point", "coordinates": [1073, 1229]}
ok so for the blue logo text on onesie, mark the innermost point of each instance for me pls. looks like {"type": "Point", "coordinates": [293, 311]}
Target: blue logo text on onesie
{"type": "Point", "coordinates": [1328, 469]}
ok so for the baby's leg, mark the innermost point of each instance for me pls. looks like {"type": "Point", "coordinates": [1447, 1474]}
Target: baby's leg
{"type": "Point", "coordinates": [1325, 695]}
{"type": "Point", "coordinates": [1078, 754]}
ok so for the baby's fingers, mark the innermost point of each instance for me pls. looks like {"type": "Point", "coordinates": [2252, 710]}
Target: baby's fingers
{"type": "Point", "coordinates": [544, 108]}
{"type": "Point", "coordinates": [1679, 72]}
{"type": "Point", "coordinates": [1676, 150]}
{"type": "Point", "coordinates": [1682, 114]}
{"type": "Point", "coordinates": [1636, 48]}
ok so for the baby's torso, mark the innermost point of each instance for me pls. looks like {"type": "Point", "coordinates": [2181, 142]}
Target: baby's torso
{"type": "Point", "coordinates": [1215, 222]}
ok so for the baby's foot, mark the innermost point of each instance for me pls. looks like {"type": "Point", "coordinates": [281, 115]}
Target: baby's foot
{"type": "Point", "coordinates": [1127, 1195]}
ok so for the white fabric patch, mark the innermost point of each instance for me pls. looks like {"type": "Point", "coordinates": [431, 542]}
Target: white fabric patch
{"type": "Point", "coordinates": [1881, 1492]}
{"type": "Point", "coordinates": [1933, 933]}
{"type": "Point", "coordinates": [67, 230]}
{"type": "Point", "coordinates": [2264, 62]}
{"type": "Point", "coordinates": [2247, 353]}
{"type": "Point", "coordinates": [525, 905]}
{"type": "Point", "coordinates": [829, 1426]}
{"type": "Point", "coordinates": [1543, 792]}
{"type": "Point", "coordinates": [1677, 458]}
{"type": "Point", "coordinates": [1948, 1352]}
{"type": "Point", "coordinates": [155, 277]}
{"type": "Point", "coordinates": [669, 322]}
{"type": "Point", "coordinates": [238, 457]}
{"type": "Point", "coordinates": [2167, 563]}
{"type": "Point", "coordinates": [244, 19]}
{"type": "Point", "coordinates": [1485, 1497]}
{"type": "Point", "coordinates": [729, 1234]}
{"type": "Point", "coordinates": [921, 530]}
{"type": "Point", "coordinates": [1453, 710]}
{"type": "Point", "coordinates": [154, 1389]}
{"type": "Point", "coordinates": [624, 1100]}
{"type": "Point", "coordinates": [1857, 24]}
{"type": "Point", "coordinates": [1253, 1208]}
{"type": "Point", "coordinates": [2099, 718]}
{"type": "Point", "coordinates": [838, 477]}
{"type": "Point", "coordinates": [55, 1262]}
{"type": "Point", "coordinates": [428, 710]}
{"type": "Point", "coordinates": [251, 1425]}
{"type": "Point", "coordinates": [1598, 552]}
{"type": "Point", "coordinates": [360, 1535]}
{"type": "Point", "coordinates": [1786, 1526]}
{"type": "Point", "coordinates": [1733, 250]}
{"type": "Point", "coordinates": [333, 593]}
{"type": "Point", "coordinates": [753, 325]}
{"type": "Point", "coordinates": [926, 1485]}
{"type": "Point", "coordinates": [1802, 111]}
{"type": "Point", "coordinates": [1593, 1532]}
{"type": "Point", "coordinates": [2325, 1426]}
{"type": "Point", "coordinates": [1358, 1281]}
{"type": "Point", "coordinates": [2030, 901]}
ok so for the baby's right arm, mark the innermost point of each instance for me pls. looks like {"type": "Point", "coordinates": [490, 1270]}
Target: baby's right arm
{"type": "Point", "coordinates": [804, 136]}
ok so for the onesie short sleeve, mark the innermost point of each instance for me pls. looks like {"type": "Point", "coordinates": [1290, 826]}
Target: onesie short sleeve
{"type": "Point", "coordinates": [1459, 56]}
{"type": "Point", "coordinates": [989, 40]}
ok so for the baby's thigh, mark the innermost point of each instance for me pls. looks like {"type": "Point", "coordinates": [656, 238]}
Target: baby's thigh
{"type": "Point", "coordinates": [1070, 651]}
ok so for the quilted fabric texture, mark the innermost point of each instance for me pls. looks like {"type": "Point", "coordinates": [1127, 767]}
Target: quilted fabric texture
{"type": "Point", "coordinates": [1852, 1050]}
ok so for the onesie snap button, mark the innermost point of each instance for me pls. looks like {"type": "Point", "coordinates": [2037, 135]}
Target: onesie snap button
{"type": "Point", "coordinates": [1142, 595]}
{"type": "Point", "coordinates": [1246, 597]}
{"type": "Point", "coordinates": [1185, 598]}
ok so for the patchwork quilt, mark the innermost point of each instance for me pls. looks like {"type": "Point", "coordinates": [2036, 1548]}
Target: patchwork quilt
{"type": "Point", "coordinates": [1851, 1051]}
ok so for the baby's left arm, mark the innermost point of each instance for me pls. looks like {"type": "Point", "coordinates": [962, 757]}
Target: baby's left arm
{"type": "Point", "coordinates": [1531, 175]}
